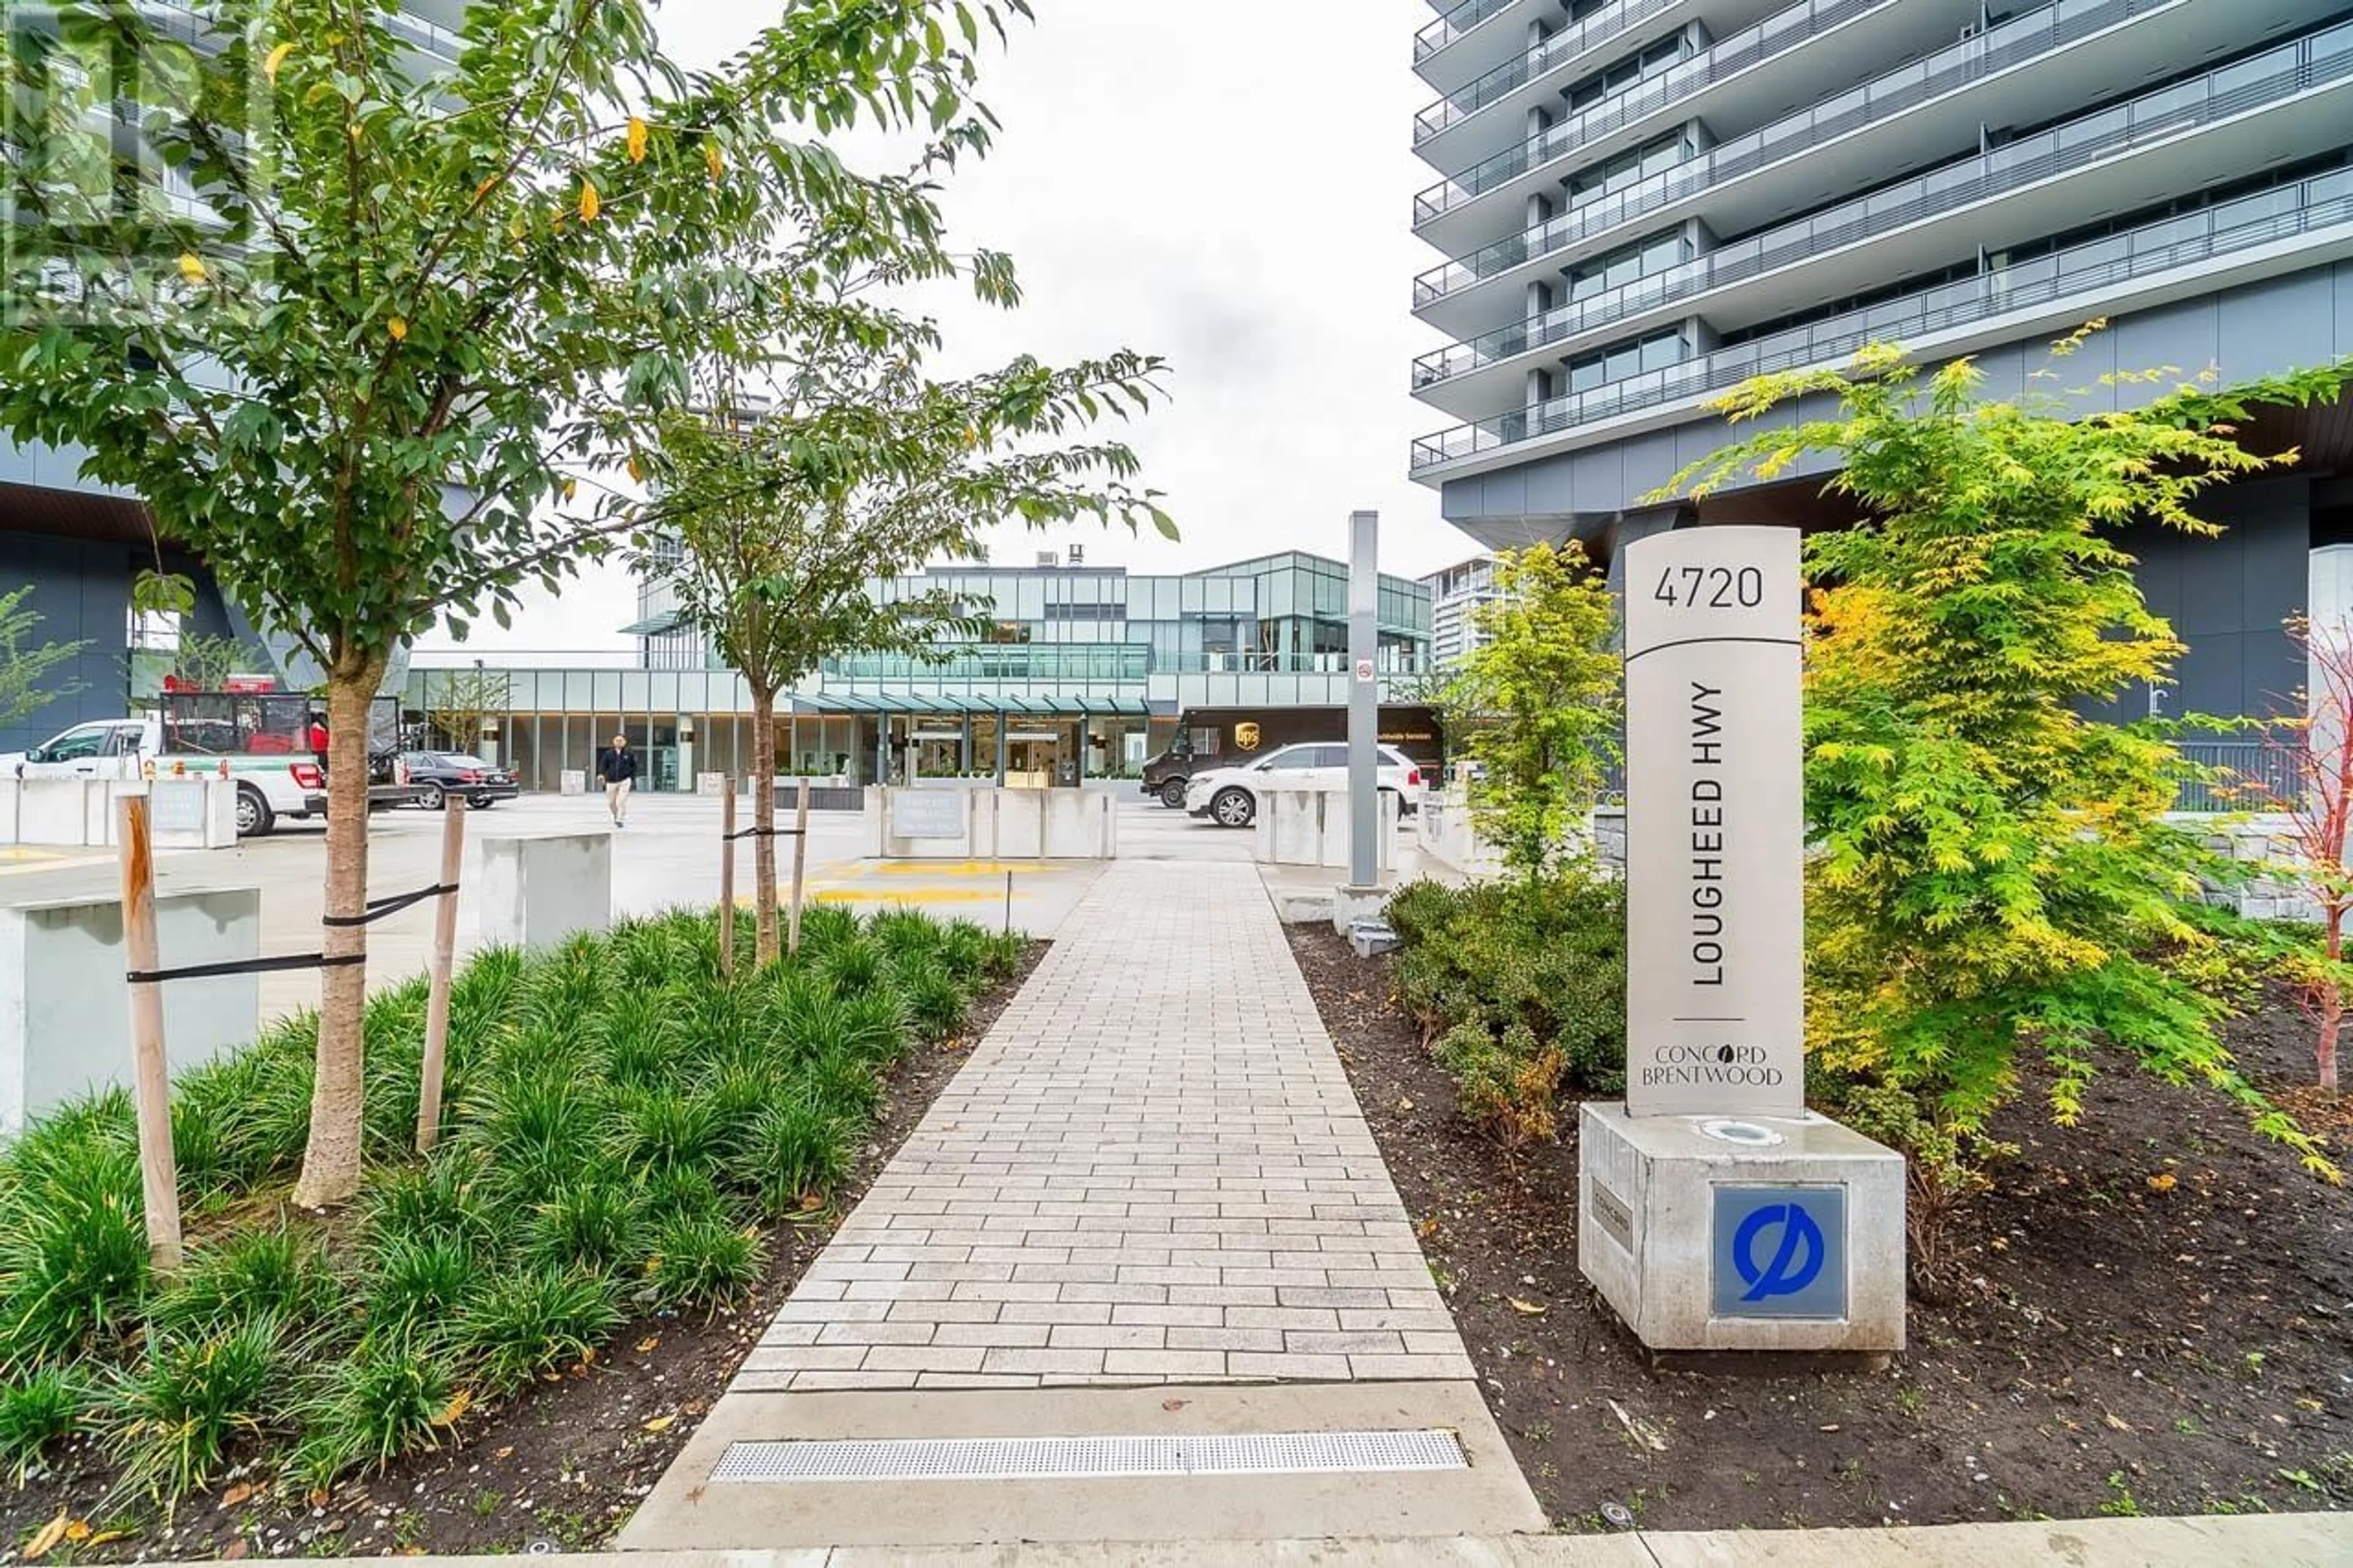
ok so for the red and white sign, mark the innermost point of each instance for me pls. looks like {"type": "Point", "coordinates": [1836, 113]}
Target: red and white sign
{"type": "Point", "coordinates": [1365, 670]}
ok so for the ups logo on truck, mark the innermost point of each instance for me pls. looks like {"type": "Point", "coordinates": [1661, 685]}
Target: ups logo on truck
{"type": "Point", "coordinates": [1245, 735]}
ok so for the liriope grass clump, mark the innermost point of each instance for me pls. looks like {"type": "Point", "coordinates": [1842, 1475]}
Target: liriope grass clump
{"type": "Point", "coordinates": [620, 1119]}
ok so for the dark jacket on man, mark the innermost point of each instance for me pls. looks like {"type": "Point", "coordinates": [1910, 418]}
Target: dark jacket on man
{"type": "Point", "coordinates": [615, 765]}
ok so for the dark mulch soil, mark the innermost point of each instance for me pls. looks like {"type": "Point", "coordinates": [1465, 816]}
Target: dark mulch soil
{"type": "Point", "coordinates": [561, 1467]}
{"type": "Point", "coordinates": [2153, 1312]}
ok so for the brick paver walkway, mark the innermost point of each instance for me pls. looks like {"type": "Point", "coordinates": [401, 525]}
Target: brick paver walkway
{"type": "Point", "coordinates": [1151, 1170]}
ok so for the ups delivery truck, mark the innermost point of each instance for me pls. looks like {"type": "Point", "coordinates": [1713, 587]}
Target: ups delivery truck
{"type": "Point", "coordinates": [1230, 737]}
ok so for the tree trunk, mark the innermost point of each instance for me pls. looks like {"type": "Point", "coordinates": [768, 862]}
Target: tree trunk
{"type": "Point", "coordinates": [331, 1160]}
{"type": "Point", "coordinates": [764, 818]}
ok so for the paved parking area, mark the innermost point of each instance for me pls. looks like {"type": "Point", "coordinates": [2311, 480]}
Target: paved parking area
{"type": "Point", "coordinates": [1152, 1170]}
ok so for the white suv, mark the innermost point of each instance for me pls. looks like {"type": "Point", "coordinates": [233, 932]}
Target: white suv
{"type": "Point", "coordinates": [1228, 796]}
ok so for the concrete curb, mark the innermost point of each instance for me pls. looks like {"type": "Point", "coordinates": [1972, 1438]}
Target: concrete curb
{"type": "Point", "coordinates": [2269, 1540]}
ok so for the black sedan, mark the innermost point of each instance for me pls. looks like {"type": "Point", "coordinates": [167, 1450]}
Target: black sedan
{"type": "Point", "coordinates": [440, 775]}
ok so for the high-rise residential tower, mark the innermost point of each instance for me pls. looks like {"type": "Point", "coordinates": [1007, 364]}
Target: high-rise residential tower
{"type": "Point", "coordinates": [1640, 203]}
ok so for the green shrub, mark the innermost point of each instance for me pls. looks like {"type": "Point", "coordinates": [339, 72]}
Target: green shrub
{"type": "Point", "coordinates": [703, 1262]}
{"type": "Point", "coordinates": [392, 1394]}
{"type": "Point", "coordinates": [597, 1221]}
{"type": "Point", "coordinates": [261, 1273]}
{"type": "Point", "coordinates": [1521, 988]}
{"type": "Point", "coordinates": [37, 1412]}
{"type": "Point", "coordinates": [937, 1002]}
{"type": "Point", "coordinates": [174, 1418]}
{"type": "Point", "coordinates": [666, 1128]}
{"type": "Point", "coordinates": [73, 1251]}
{"type": "Point", "coordinates": [417, 1281]}
{"type": "Point", "coordinates": [842, 1080]}
{"type": "Point", "coordinates": [444, 1199]}
{"type": "Point", "coordinates": [533, 1319]}
{"type": "Point", "coordinates": [854, 967]}
{"type": "Point", "coordinates": [795, 1149]}
{"type": "Point", "coordinates": [682, 1192]}
{"type": "Point", "coordinates": [824, 927]}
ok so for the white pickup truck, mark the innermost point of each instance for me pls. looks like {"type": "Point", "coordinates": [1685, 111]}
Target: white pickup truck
{"type": "Point", "coordinates": [257, 739]}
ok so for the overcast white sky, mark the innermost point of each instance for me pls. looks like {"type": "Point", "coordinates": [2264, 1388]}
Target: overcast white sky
{"type": "Point", "coordinates": [1224, 182]}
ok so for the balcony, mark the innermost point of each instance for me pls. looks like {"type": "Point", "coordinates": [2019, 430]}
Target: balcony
{"type": "Point", "coordinates": [1728, 83]}
{"type": "Point", "coordinates": [1555, 52]}
{"type": "Point", "coordinates": [2091, 147]}
{"type": "Point", "coordinates": [2310, 219]}
{"type": "Point", "coordinates": [1469, 39]}
{"type": "Point", "coordinates": [1468, 211]}
{"type": "Point", "coordinates": [1485, 144]}
{"type": "Point", "coordinates": [2007, 73]}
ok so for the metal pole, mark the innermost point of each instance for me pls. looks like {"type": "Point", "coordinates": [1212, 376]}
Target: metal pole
{"type": "Point", "coordinates": [1004, 748]}
{"type": "Point", "coordinates": [1364, 698]}
{"type": "Point", "coordinates": [445, 958]}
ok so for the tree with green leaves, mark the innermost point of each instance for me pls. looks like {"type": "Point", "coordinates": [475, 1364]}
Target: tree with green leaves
{"type": "Point", "coordinates": [1994, 874]}
{"type": "Point", "coordinates": [375, 344]}
{"type": "Point", "coordinates": [31, 672]}
{"type": "Point", "coordinates": [1538, 707]}
{"type": "Point", "coordinates": [783, 507]}
{"type": "Point", "coordinates": [458, 703]}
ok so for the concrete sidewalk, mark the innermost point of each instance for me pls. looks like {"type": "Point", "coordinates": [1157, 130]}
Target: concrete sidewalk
{"type": "Point", "coordinates": [1140, 1273]}
{"type": "Point", "coordinates": [2274, 1540]}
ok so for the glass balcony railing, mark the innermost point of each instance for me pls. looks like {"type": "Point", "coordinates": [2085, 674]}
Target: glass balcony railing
{"type": "Point", "coordinates": [2006, 44]}
{"type": "Point", "coordinates": [2103, 266]}
{"type": "Point", "coordinates": [1564, 45]}
{"type": "Point", "coordinates": [2271, 76]}
{"type": "Point", "coordinates": [1452, 26]}
{"type": "Point", "coordinates": [1743, 51]}
{"type": "Point", "coordinates": [432, 38]}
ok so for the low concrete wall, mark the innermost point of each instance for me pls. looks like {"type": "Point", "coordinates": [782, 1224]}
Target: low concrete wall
{"type": "Point", "coordinates": [985, 822]}
{"type": "Point", "coordinates": [2259, 839]}
{"type": "Point", "coordinates": [65, 1024]}
{"type": "Point", "coordinates": [534, 890]}
{"type": "Point", "coordinates": [195, 812]}
{"type": "Point", "coordinates": [1312, 827]}
{"type": "Point", "coordinates": [1450, 835]}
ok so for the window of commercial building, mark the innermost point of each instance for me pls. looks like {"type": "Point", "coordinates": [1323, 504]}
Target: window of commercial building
{"type": "Point", "coordinates": [1628, 264]}
{"type": "Point", "coordinates": [1621, 362]}
{"type": "Point", "coordinates": [1625, 73]}
{"type": "Point", "coordinates": [1634, 163]}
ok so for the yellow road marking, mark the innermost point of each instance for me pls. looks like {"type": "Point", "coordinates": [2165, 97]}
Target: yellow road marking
{"type": "Point", "coordinates": [909, 895]}
{"type": "Point", "coordinates": [949, 868]}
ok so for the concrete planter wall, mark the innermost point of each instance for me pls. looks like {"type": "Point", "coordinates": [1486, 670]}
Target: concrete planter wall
{"type": "Point", "coordinates": [192, 813]}
{"type": "Point", "coordinates": [1449, 834]}
{"type": "Point", "coordinates": [985, 822]}
{"type": "Point", "coordinates": [2262, 839]}
{"type": "Point", "coordinates": [65, 1026]}
{"type": "Point", "coordinates": [533, 891]}
{"type": "Point", "coordinates": [1312, 827]}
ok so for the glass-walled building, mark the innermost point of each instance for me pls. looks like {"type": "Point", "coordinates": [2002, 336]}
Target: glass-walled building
{"type": "Point", "coordinates": [1079, 675]}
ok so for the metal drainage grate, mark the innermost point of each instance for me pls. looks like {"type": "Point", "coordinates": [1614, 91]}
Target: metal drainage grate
{"type": "Point", "coordinates": [1086, 1458]}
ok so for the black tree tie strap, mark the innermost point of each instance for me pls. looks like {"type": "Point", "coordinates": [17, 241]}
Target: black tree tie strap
{"type": "Point", "coordinates": [244, 966]}
{"type": "Point", "coordinates": [391, 904]}
{"type": "Point", "coordinates": [763, 833]}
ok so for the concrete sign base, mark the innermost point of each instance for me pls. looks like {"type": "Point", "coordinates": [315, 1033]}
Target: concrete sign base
{"type": "Point", "coordinates": [1742, 1232]}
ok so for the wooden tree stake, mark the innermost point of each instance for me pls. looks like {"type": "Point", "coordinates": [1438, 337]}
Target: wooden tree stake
{"type": "Point", "coordinates": [445, 957]}
{"type": "Point", "coordinates": [801, 866]}
{"type": "Point", "coordinates": [151, 1071]}
{"type": "Point", "coordinates": [727, 881]}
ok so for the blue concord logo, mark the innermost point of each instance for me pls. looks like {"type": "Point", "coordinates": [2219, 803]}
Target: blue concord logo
{"type": "Point", "coordinates": [1779, 1252]}
{"type": "Point", "coordinates": [1797, 1257]}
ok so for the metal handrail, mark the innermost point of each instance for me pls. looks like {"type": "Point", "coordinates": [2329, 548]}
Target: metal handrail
{"type": "Point", "coordinates": [2008, 44]}
{"type": "Point", "coordinates": [1866, 216]}
{"type": "Point", "coordinates": [1554, 51]}
{"type": "Point", "coordinates": [1994, 293]}
{"type": "Point", "coordinates": [1751, 47]}
{"type": "Point", "coordinates": [1452, 26]}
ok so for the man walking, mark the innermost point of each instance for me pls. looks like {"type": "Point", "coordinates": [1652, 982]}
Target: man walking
{"type": "Point", "coordinates": [618, 768]}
